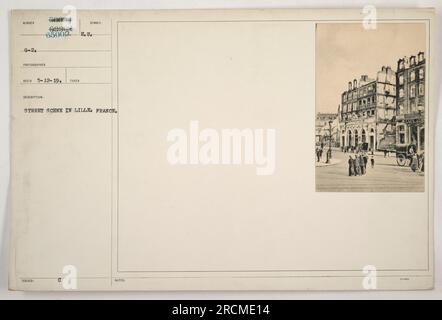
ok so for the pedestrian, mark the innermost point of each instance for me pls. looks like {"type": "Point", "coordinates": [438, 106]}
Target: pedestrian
{"type": "Point", "coordinates": [365, 156]}
{"type": "Point", "coordinates": [357, 165]}
{"type": "Point", "coordinates": [414, 162]}
{"type": "Point", "coordinates": [351, 171]}
{"type": "Point", "coordinates": [372, 161]}
{"type": "Point", "coordinates": [385, 153]}
{"type": "Point", "coordinates": [354, 166]}
{"type": "Point", "coordinates": [361, 164]}
{"type": "Point", "coordinates": [421, 162]}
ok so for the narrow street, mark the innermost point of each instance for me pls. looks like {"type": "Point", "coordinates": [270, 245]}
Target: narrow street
{"type": "Point", "coordinates": [386, 176]}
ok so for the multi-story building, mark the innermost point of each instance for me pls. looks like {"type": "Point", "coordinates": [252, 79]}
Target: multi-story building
{"type": "Point", "coordinates": [323, 123]}
{"type": "Point", "coordinates": [410, 112]}
{"type": "Point", "coordinates": [367, 110]}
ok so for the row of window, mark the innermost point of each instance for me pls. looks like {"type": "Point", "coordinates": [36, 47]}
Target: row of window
{"type": "Point", "coordinates": [363, 103]}
{"type": "Point", "coordinates": [367, 113]}
{"type": "Point", "coordinates": [421, 91]}
{"type": "Point", "coordinates": [367, 90]}
{"type": "Point", "coordinates": [413, 108]}
{"type": "Point", "coordinates": [355, 134]}
{"type": "Point", "coordinates": [412, 75]}
{"type": "Point", "coordinates": [356, 131]}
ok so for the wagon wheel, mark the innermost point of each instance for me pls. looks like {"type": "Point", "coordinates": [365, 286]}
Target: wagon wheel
{"type": "Point", "coordinates": [401, 159]}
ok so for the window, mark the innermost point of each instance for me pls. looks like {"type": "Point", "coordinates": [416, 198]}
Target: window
{"type": "Point", "coordinates": [401, 134]}
{"type": "Point", "coordinates": [413, 106]}
{"type": "Point", "coordinates": [401, 79]}
{"type": "Point", "coordinates": [401, 93]}
{"type": "Point", "coordinates": [412, 76]}
{"type": "Point", "coordinates": [413, 91]}
{"type": "Point", "coordinates": [421, 89]}
{"type": "Point", "coordinates": [421, 73]}
{"type": "Point", "coordinates": [401, 108]}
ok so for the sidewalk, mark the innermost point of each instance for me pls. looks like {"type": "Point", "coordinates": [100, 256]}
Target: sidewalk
{"type": "Point", "coordinates": [333, 161]}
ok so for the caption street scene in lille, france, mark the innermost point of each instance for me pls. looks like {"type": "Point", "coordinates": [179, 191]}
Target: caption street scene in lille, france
{"type": "Point", "coordinates": [376, 139]}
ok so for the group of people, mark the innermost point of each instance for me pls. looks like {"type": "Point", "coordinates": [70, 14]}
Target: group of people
{"type": "Point", "coordinates": [357, 165]}
{"type": "Point", "coordinates": [416, 161]}
{"type": "Point", "coordinates": [348, 149]}
{"type": "Point", "coordinates": [318, 152]}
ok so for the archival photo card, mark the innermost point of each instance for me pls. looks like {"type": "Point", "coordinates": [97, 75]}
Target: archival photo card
{"type": "Point", "coordinates": [272, 149]}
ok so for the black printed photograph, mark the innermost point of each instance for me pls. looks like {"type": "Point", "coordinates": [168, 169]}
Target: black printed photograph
{"type": "Point", "coordinates": [370, 107]}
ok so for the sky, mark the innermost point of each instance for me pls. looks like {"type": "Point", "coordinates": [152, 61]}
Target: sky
{"type": "Point", "coordinates": [345, 51]}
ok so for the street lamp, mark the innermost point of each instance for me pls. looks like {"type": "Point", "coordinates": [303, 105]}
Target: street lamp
{"type": "Point", "coordinates": [329, 152]}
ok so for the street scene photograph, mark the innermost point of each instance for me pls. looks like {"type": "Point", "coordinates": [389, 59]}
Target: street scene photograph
{"type": "Point", "coordinates": [370, 107]}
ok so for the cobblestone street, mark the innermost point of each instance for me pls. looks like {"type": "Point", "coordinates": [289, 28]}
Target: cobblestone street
{"type": "Point", "coordinates": [386, 176]}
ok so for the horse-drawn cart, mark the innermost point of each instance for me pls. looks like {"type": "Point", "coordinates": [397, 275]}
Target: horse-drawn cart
{"type": "Point", "coordinates": [404, 154]}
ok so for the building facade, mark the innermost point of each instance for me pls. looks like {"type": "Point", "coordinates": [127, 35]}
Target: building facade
{"type": "Point", "coordinates": [367, 111]}
{"type": "Point", "coordinates": [323, 123]}
{"type": "Point", "coordinates": [410, 112]}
